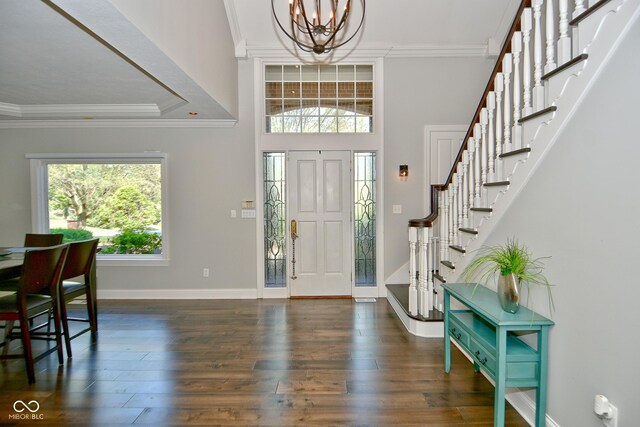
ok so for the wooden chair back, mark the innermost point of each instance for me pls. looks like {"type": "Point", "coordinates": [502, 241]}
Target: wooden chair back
{"type": "Point", "coordinates": [41, 271]}
{"type": "Point", "coordinates": [79, 258]}
{"type": "Point", "coordinates": [42, 240]}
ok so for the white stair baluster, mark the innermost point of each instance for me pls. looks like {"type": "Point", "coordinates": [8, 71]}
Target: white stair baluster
{"type": "Point", "coordinates": [498, 85]}
{"type": "Point", "coordinates": [454, 210]}
{"type": "Point", "coordinates": [526, 61]}
{"type": "Point", "coordinates": [484, 120]}
{"type": "Point", "coordinates": [471, 176]}
{"type": "Point", "coordinates": [507, 67]}
{"type": "Point", "coordinates": [451, 193]}
{"type": "Point", "coordinates": [538, 89]}
{"type": "Point", "coordinates": [443, 212]}
{"type": "Point", "coordinates": [433, 250]}
{"type": "Point", "coordinates": [430, 296]}
{"type": "Point", "coordinates": [413, 291]}
{"type": "Point", "coordinates": [564, 41]}
{"type": "Point", "coordinates": [465, 189]}
{"type": "Point", "coordinates": [478, 166]}
{"type": "Point", "coordinates": [516, 48]}
{"type": "Point", "coordinates": [579, 8]}
{"type": "Point", "coordinates": [491, 139]}
{"type": "Point", "coordinates": [551, 37]}
{"type": "Point", "coordinates": [460, 196]}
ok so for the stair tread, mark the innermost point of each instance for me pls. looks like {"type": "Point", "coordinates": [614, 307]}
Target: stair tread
{"type": "Point", "coordinates": [439, 277]}
{"type": "Point", "coordinates": [589, 11]}
{"type": "Point", "coordinates": [468, 230]}
{"type": "Point", "coordinates": [401, 294]}
{"type": "Point", "coordinates": [458, 248]}
{"type": "Point", "coordinates": [448, 264]}
{"type": "Point", "coordinates": [515, 152]}
{"type": "Point", "coordinates": [481, 209]}
{"type": "Point", "coordinates": [496, 183]}
{"type": "Point", "coordinates": [566, 65]}
{"type": "Point", "coordinates": [538, 113]}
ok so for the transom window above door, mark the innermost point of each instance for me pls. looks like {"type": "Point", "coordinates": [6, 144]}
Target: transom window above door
{"type": "Point", "coordinates": [318, 98]}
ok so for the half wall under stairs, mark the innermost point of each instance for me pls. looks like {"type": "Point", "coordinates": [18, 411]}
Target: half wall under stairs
{"type": "Point", "coordinates": [417, 324]}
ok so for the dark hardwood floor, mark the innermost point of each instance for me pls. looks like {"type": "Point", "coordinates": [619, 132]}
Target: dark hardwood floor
{"type": "Point", "coordinates": [265, 362]}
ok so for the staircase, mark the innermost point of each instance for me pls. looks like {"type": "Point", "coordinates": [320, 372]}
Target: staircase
{"type": "Point", "coordinates": [553, 53]}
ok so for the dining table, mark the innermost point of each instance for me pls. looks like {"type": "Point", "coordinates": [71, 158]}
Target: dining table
{"type": "Point", "coordinates": [11, 260]}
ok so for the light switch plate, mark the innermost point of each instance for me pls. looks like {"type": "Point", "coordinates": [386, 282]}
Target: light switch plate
{"type": "Point", "coordinates": [397, 209]}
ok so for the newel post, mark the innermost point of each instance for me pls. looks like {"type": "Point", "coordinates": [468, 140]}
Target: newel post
{"type": "Point", "coordinates": [413, 291]}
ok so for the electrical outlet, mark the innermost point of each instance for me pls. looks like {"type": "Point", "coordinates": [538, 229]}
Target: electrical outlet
{"type": "Point", "coordinates": [397, 209]}
{"type": "Point", "coordinates": [613, 421]}
{"type": "Point", "coordinates": [205, 272]}
{"type": "Point", "coordinates": [234, 213]}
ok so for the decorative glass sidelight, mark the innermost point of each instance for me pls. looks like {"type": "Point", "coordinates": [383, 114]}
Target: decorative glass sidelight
{"type": "Point", "coordinates": [365, 218]}
{"type": "Point", "coordinates": [275, 227]}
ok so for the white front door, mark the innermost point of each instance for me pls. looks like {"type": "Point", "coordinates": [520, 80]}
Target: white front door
{"type": "Point", "coordinates": [320, 203]}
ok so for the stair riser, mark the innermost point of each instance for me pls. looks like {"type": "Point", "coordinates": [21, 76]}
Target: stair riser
{"type": "Point", "coordinates": [589, 29]}
{"type": "Point", "coordinates": [531, 128]}
{"type": "Point", "coordinates": [511, 163]}
{"type": "Point", "coordinates": [557, 83]}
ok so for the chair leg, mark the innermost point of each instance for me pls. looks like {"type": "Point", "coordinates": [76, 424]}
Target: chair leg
{"type": "Point", "coordinates": [26, 346]}
{"type": "Point", "coordinates": [65, 326]}
{"type": "Point", "coordinates": [8, 327]}
{"type": "Point", "coordinates": [92, 311]}
{"type": "Point", "coordinates": [56, 326]}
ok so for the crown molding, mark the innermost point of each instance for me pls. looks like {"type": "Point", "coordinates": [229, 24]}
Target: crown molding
{"type": "Point", "coordinates": [44, 111]}
{"type": "Point", "coordinates": [238, 42]}
{"type": "Point", "coordinates": [123, 123]}
{"type": "Point", "coordinates": [380, 51]}
{"type": "Point", "coordinates": [437, 51]}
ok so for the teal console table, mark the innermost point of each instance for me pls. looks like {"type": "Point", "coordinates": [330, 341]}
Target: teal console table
{"type": "Point", "coordinates": [486, 332]}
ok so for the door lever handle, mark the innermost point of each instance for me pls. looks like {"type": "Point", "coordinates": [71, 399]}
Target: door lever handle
{"type": "Point", "coordinates": [294, 229]}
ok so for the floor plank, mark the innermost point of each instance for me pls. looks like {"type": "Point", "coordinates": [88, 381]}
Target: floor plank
{"type": "Point", "coordinates": [256, 362]}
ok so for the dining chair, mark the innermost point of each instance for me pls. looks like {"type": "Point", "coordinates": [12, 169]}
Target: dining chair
{"type": "Point", "coordinates": [80, 263]}
{"type": "Point", "coordinates": [32, 240]}
{"type": "Point", "coordinates": [37, 293]}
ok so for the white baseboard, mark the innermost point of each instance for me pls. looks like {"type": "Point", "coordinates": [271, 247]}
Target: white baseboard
{"type": "Point", "coordinates": [178, 294]}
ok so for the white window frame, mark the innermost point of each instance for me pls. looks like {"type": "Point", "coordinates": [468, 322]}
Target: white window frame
{"type": "Point", "coordinates": [40, 200]}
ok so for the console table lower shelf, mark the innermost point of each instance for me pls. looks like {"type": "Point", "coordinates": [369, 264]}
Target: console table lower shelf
{"type": "Point", "coordinates": [487, 334]}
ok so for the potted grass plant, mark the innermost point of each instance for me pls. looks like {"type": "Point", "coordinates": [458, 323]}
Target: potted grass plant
{"type": "Point", "coordinates": [517, 268]}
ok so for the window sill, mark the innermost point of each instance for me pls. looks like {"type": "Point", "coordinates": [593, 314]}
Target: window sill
{"type": "Point", "coordinates": [132, 261]}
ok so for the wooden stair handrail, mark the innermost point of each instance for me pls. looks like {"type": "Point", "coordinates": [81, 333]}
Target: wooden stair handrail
{"type": "Point", "coordinates": [427, 221]}
{"type": "Point", "coordinates": [515, 26]}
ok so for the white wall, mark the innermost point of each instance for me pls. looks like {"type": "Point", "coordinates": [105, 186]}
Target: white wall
{"type": "Point", "coordinates": [419, 92]}
{"type": "Point", "coordinates": [210, 171]}
{"type": "Point", "coordinates": [195, 34]}
{"type": "Point", "coordinates": [581, 207]}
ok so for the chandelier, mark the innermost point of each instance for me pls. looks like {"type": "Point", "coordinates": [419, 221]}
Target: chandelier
{"type": "Point", "coordinates": [315, 34]}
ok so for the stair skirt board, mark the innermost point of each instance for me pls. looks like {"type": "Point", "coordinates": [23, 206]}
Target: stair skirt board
{"type": "Point", "coordinates": [397, 296]}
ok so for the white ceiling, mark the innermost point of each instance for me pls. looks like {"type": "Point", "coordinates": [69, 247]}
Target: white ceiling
{"type": "Point", "coordinates": [53, 66]}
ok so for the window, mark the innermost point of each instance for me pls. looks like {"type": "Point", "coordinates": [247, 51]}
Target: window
{"type": "Point", "coordinates": [275, 217]}
{"type": "Point", "coordinates": [365, 218]}
{"type": "Point", "coordinates": [319, 98]}
{"type": "Point", "coordinates": [118, 199]}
